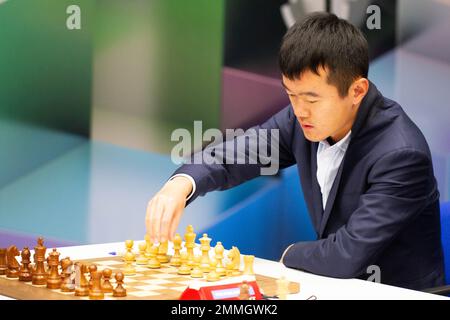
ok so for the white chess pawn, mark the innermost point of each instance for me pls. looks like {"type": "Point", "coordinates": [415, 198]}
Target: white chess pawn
{"type": "Point", "coordinates": [142, 259]}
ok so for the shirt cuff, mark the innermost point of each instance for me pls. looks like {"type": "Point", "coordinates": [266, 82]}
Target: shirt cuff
{"type": "Point", "coordinates": [190, 179]}
{"type": "Point", "coordinates": [285, 251]}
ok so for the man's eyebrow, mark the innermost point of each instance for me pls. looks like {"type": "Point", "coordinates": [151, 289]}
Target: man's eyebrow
{"type": "Point", "coordinates": [307, 93]}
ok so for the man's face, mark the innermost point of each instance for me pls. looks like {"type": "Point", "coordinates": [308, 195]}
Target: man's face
{"type": "Point", "coordinates": [319, 109]}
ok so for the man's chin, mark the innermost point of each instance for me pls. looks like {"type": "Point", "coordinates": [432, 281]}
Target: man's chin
{"type": "Point", "coordinates": [312, 138]}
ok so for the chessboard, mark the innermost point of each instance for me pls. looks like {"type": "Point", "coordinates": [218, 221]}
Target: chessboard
{"type": "Point", "coordinates": [146, 284]}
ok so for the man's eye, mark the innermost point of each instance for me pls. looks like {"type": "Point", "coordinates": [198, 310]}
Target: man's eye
{"type": "Point", "coordinates": [312, 101]}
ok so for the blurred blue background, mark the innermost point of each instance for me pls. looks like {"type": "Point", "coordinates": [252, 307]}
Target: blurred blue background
{"type": "Point", "coordinates": [86, 115]}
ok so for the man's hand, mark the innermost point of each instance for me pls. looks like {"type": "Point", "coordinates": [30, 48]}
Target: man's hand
{"type": "Point", "coordinates": [165, 209]}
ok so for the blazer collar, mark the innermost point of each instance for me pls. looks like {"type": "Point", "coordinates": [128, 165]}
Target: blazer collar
{"type": "Point", "coordinates": [371, 98]}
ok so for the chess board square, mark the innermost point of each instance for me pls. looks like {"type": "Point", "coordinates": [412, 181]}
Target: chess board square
{"type": "Point", "coordinates": [169, 292]}
{"type": "Point", "coordinates": [142, 278]}
{"type": "Point", "coordinates": [143, 293]}
{"type": "Point", "coordinates": [156, 281]}
{"type": "Point", "coordinates": [134, 275]}
{"type": "Point", "coordinates": [141, 269]}
{"type": "Point", "coordinates": [179, 289]}
{"type": "Point", "coordinates": [184, 282]}
{"type": "Point", "coordinates": [149, 287]}
{"type": "Point", "coordinates": [108, 263]}
{"type": "Point", "coordinates": [173, 285]}
{"type": "Point", "coordinates": [180, 279]}
{"type": "Point", "coordinates": [166, 276]}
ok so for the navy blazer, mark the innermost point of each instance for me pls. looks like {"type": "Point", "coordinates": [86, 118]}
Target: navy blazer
{"type": "Point", "coordinates": [383, 208]}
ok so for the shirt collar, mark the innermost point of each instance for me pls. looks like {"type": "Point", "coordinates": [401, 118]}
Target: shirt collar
{"type": "Point", "coordinates": [341, 144]}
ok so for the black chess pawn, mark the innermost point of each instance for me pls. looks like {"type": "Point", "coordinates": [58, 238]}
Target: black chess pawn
{"type": "Point", "coordinates": [25, 271]}
{"type": "Point", "coordinates": [119, 291]}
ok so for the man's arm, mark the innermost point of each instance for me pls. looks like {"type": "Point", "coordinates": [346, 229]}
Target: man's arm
{"type": "Point", "coordinates": [227, 172]}
{"type": "Point", "coordinates": [221, 171]}
{"type": "Point", "coordinates": [399, 188]}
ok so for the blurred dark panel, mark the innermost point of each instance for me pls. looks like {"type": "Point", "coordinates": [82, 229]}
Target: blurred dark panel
{"type": "Point", "coordinates": [254, 29]}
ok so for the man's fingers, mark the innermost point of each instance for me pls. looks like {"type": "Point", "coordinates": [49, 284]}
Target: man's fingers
{"type": "Point", "coordinates": [148, 218]}
{"type": "Point", "coordinates": [156, 219]}
{"type": "Point", "coordinates": [174, 223]}
{"type": "Point", "coordinates": [167, 217]}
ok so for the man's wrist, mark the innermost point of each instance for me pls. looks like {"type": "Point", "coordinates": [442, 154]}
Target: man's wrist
{"type": "Point", "coordinates": [189, 183]}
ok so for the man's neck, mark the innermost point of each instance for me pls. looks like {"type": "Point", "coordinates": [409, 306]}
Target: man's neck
{"type": "Point", "coordinates": [345, 130]}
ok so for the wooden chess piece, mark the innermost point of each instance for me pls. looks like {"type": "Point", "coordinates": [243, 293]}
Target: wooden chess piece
{"type": "Point", "coordinates": [96, 292]}
{"type": "Point", "coordinates": [39, 276]}
{"type": "Point", "coordinates": [197, 272]}
{"type": "Point", "coordinates": [129, 249]}
{"type": "Point", "coordinates": [184, 269]}
{"type": "Point", "coordinates": [54, 280]}
{"type": "Point", "coordinates": [106, 285]}
{"type": "Point", "coordinates": [142, 259]}
{"type": "Point", "coordinates": [129, 269]}
{"type": "Point", "coordinates": [205, 247]}
{"type": "Point", "coordinates": [235, 256]}
{"type": "Point", "coordinates": [81, 283]}
{"type": "Point", "coordinates": [244, 293]}
{"type": "Point", "coordinates": [13, 266]}
{"type": "Point", "coordinates": [92, 269]}
{"type": "Point", "coordinates": [149, 245]}
{"type": "Point", "coordinates": [25, 271]}
{"type": "Point", "coordinates": [212, 275]}
{"type": "Point", "coordinates": [3, 264]}
{"type": "Point", "coordinates": [153, 262]}
{"type": "Point", "coordinates": [162, 252]}
{"type": "Point", "coordinates": [176, 261]}
{"type": "Point", "coordinates": [189, 243]}
{"type": "Point", "coordinates": [119, 290]}
{"type": "Point", "coordinates": [219, 249]}
{"type": "Point", "coordinates": [67, 284]}
{"type": "Point", "coordinates": [248, 264]}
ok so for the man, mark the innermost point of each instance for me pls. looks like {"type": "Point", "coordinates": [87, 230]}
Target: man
{"type": "Point", "coordinates": [365, 167]}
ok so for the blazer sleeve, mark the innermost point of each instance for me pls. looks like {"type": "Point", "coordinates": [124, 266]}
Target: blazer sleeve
{"type": "Point", "coordinates": [400, 184]}
{"type": "Point", "coordinates": [222, 171]}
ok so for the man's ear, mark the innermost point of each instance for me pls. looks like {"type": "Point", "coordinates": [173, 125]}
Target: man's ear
{"type": "Point", "coordinates": [358, 90]}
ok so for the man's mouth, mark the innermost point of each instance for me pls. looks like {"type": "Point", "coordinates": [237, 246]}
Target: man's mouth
{"type": "Point", "coordinates": [306, 125]}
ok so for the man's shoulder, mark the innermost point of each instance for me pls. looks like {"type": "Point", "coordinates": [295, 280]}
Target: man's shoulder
{"type": "Point", "coordinates": [389, 128]}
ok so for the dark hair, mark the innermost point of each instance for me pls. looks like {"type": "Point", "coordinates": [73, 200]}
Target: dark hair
{"type": "Point", "coordinates": [324, 40]}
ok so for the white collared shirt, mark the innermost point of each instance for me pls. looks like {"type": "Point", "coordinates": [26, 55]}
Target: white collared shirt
{"type": "Point", "coordinates": [329, 159]}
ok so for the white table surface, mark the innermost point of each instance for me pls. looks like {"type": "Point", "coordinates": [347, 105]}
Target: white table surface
{"type": "Point", "coordinates": [323, 288]}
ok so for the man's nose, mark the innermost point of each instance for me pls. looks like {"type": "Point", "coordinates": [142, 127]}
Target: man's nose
{"type": "Point", "coordinates": [300, 111]}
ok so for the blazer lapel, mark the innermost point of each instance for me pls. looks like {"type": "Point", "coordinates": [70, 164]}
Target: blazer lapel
{"type": "Point", "coordinates": [369, 100]}
{"type": "Point", "coordinates": [317, 194]}
{"type": "Point", "coordinates": [332, 197]}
